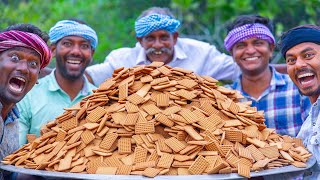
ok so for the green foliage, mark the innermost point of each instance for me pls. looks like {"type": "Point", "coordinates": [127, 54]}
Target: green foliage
{"type": "Point", "coordinates": [113, 20]}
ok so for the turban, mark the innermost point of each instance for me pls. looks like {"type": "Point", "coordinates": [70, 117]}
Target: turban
{"type": "Point", "coordinates": [13, 38]}
{"type": "Point", "coordinates": [297, 36]}
{"type": "Point", "coordinates": [155, 22]}
{"type": "Point", "coordinates": [72, 28]}
{"type": "Point", "coordinates": [248, 31]}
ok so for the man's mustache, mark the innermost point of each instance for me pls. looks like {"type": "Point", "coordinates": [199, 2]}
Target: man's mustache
{"type": "Point", "coordinates": [163, 50]}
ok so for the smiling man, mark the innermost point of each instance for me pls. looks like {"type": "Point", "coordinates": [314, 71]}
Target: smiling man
{"type": "Point", "coordinates": [251, 43]}
{"type": "Point", "coordinates": [300, 47]}
{"type": "Point", "coordinates": [157, 35]}
{"type": "Point", "coordinates": [72, 44]}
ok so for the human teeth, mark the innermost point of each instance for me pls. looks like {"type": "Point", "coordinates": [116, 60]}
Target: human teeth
{"type": "Point", "coordinates": [158, 52]}
{"type": "Point", "coordinates": [73, 61]}
{"type": "Point", "coordinates": [305, 75]}
{"type": "Point", "coordinates": [251, 58]}
{"type": "Point", "coordinates": [21, 79]}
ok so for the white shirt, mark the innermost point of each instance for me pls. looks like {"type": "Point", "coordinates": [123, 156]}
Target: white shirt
{"type": "Point", "coordinates": [310, 134]}
{"type": "Point", "coordinates": [200, 57]}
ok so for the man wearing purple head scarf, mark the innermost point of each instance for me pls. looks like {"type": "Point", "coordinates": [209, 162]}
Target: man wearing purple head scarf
{"type": "Point", "coordinates": [251, 43]}
{"type": "Point", "coordinates": [23, 53]}
{"type": "Point", "coordinates": [157, 35]}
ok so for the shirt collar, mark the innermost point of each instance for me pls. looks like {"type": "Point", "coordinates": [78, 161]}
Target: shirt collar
{"type": "Point", "coordinates": [178, 54]}
{"type": "Point", "coordinates": [54, 86]}
{"type": "Point", "coordinates": [276, 80]}
{"type": "Point", "coordinates": [12, 115]}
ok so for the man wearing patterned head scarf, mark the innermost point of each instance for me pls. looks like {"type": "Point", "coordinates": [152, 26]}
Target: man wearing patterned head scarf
{"type": "Point", "coordinates": [157, 35]}
{"type": "Point", "coordinates": [23, 53]}
{"type": "Point", "coordinates": [73, 44]}
{"type": "Point", "coordinates": [251, 43]}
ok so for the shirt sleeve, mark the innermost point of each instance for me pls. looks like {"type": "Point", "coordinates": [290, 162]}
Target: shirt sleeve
{"type": "Point", "coordinates": [24, 120]}
{"type": "Point", "coordinates": [100, 72]}
{"type": "Point", "coordinates": [221, 66]}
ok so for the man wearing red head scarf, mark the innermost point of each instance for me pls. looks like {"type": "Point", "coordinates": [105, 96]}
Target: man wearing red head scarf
{"type": "Point", "coordinates": [22, 55]}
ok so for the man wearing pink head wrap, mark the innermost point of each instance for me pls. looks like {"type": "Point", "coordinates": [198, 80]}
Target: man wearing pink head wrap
{"type": "Point", "coordinates": [22, 55]}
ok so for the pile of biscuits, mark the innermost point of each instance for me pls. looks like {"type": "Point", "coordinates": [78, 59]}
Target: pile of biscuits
{"type": "Point", "coordinates": [157, 120]}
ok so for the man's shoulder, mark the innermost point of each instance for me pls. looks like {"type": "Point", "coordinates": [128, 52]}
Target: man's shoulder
{"type": "Point", "coordinates": [42, 86]}
{"type": "Point", "coordinates": [126, 51]}
{"type": "Point", "coordinates": [192, 42]}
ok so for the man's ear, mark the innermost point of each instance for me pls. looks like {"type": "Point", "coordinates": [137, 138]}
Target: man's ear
{"type": "Point", "coordinates": [53, 48]}
{"type": "Point", "coordinates": [139, 39]}
{"type": "Point", "coordinates": [92, 53]}
{"type": "Point", "coordinates": [271, 46]}
{"type": "Point", "coordinates": [175, 37]}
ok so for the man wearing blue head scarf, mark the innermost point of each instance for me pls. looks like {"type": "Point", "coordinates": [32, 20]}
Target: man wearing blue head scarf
{"type": "Point", "coordinates": [157, 35]}
{"type": "Point", "coordinates": [72, 44]}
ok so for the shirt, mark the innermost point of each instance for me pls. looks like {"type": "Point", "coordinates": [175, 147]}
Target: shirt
{"type": "Point", "coordinates": [310, 135]}
{"type": "Point", "coordinates": [43, 103]}
{"type": "Point", "coordinates": [9, 141]}
{"type": "Point", "coordinates": [200, 57]}
{"type": "Point", "coordinates": [284, 107]}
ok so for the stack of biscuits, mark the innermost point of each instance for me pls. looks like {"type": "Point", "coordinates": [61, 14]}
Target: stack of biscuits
{"type": "Point", "coordinates": [157, 120]}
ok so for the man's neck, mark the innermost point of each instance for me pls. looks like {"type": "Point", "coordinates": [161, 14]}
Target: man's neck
{"type": "Point", "coordinates": [5, 109]}
{"type": "Point", "coordinates": [71, 87]}
{"type": "Point", "coordinates": [255, 85]}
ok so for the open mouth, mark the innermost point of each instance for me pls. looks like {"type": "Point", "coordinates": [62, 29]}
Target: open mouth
{"type": "Point", "coordinates": [17, 84]}
{"type": "Point", "coordinates": [305, 78]}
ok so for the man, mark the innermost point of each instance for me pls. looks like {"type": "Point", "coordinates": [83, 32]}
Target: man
{"type": "Point", "coordinates": [23, 53]}
{"type": "Point", "coordinates": [156, 32]}
{"type": "Point", "coordinates": [300, 47]}
{"type": "Point", "coordinates": [251, 43]}
{"type": "Point", "coordinates": [73, 45]}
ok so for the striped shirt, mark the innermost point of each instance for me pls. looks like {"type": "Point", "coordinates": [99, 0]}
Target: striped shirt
{"type": "Point", "coordinates": [284, 107]}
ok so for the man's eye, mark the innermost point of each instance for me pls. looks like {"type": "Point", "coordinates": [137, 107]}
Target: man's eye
{"type": "Point", "coordinates": [33, 64]}
{"type": "Point", "coordinates": [290, 61]}
{"type": "Point", "coordinates": [67, 43]}
{"type": "Point", "coordinates": [308, 55]}
{"type": "Point", "coordinates": [14, 57]}
{"type": "Point", "coordinates": [85, 46]}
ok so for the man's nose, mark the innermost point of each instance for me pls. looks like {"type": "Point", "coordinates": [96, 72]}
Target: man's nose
{"type": "Point", "coordinates": [300, 63]}
{"type": "Point", "coordinates": [157, 44]}
{"type": "Point", "coordinates": [23, 66]}
{"type": "Point", "coordinates": [76, 50]}
{"type": "Point", "coordinates": [250, 49]}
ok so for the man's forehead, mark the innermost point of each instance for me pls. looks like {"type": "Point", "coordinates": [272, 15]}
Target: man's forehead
{"type": "Point", "coordinates": [75, 38]}
{"type": "Point", "coordinates": [24, 50]}
{"type": "Point", "coordinates": [303, 47]}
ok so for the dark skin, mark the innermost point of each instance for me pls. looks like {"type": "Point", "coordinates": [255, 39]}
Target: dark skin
{"type": "Point", "coordinates": [20, 69]}
{"type": "Point", "coordinates": [73, 55]}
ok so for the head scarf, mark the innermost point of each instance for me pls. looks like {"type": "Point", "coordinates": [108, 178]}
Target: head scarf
{"type": "Point", "coordinates": [72, 28]}
{"type": "Point", "coordinates": [155, 22]}
{"type": "Point", "coordinates": [297, 36]}
{"type": "Point", "coordinates": [14, 38]}
{"type": "Point", "coordinates": [248, 31]}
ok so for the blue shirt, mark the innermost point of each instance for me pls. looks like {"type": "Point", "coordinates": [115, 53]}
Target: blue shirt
{"type": "Point", "coordinates": [284, 107]}
{"type": "Point", "coordinates": [43, 103]}
{"type": "Point", "coordinates": [310, 134]}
